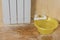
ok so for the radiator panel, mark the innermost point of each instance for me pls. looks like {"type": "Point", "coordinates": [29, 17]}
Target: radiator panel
{"type": "Point", "coordinates": [6, 15]}
{"type": "Point", "coordinates": [16, 11]}
{"type": "Point", "coordinates": [20, 11]}
{"type": "Point", "coordinates": [27, 11]}
{"type": "Point", "coordinates": [13, 11]}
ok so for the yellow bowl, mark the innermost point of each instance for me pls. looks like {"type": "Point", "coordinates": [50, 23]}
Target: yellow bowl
{"type": "Point", "coordinates": [46, 26]}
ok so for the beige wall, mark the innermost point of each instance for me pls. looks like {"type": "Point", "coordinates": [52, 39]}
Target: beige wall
{"type": "Point", "coordinates": [1, 12]}
{"type": "Point", "coordinates": [53, 8]}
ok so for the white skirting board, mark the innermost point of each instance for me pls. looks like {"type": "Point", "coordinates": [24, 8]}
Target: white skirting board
{"type": "Point", "coordinates": [16, 11]}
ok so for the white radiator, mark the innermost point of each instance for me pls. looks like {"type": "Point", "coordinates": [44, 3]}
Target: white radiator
{"type": "Point", "coordinates": [16, 11]}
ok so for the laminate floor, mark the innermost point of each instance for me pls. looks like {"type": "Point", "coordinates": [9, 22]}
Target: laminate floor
{"type": "Point", "coordinates": [28, 32]}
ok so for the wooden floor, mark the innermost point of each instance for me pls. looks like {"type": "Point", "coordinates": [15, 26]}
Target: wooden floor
{"type": "Point", "coordinates": [28, 32]}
